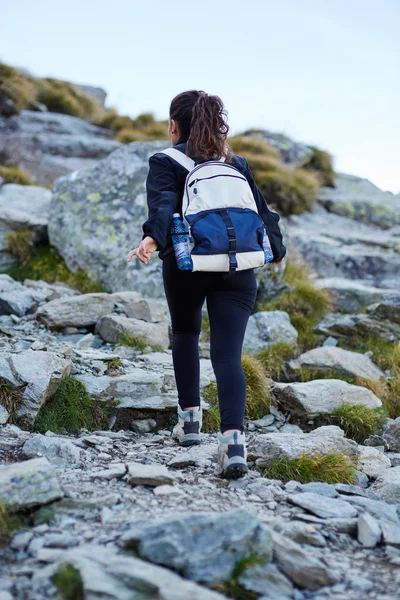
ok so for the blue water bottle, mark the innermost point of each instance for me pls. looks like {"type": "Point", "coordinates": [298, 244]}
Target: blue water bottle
{"type": "Point", "coordinates": [180, 239]}
{"type": "Point", "coordinates": [269, 255]}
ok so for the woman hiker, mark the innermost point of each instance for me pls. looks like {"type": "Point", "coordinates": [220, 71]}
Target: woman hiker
{"type": "Point", "coordinates": [198, 128]}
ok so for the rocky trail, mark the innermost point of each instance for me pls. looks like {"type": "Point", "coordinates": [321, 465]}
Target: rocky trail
{"type": "Point", "coordinates": [121, 511]}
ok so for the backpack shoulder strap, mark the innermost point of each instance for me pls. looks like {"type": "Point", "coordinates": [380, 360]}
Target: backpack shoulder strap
{"type": "Point", "coordinates": [180, 158]}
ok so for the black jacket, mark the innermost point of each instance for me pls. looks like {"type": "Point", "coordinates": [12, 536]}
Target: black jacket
{"type": "Point", "coordinates": [165, 186]}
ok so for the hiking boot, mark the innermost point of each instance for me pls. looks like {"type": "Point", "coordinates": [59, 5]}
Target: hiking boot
{"type": "Point", "coordinates": [232, 455]}
{"type": "Point", "coordinates": [187, 430]}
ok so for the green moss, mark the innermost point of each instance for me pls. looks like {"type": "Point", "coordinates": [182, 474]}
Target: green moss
{"type": "Point", "coordinates": [59, 102]}
{"type": "Point", "coordinates": [232, 588]}
{"type": "Point", "coordinates": [128, 130]}
{"type": "Point", "coordinates": [205, 329]}
{"type": "Point", "coordinates": [305, 304]}
{"type": "Point", "coordinates": [20, 244]}
{"type": "Point", "coordinates": [45, 263]}
{"type": "Point", "coordinates": [68, 581]}
{"type": "Point", "coordinates": [329, 468]}
{"type": "Point", "coordinates": [9, 522]}
{"type": "Point", "coordinates": [257, 395]}
{"type": "Point", "coordinates": [15, 175]}
{"type": "Point", "coordinates": [139, 342]}
{"type": "Point", "coordinates": [358, 421]}
{"type": "Point", "coordinates": [113, 366]}
{"type": "Point", "coordinates": [274, 358]}
{"type": "Point", "coordinates": [320, 163]}
{"type": "Point", "coordinates": [71, 408]}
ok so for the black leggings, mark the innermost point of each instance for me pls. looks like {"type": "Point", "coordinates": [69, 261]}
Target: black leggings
{"type": "Point", "coordinates": [230, 301]}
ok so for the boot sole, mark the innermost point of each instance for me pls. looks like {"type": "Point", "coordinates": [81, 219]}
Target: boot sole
{"type": "Point", "coordinates": [190, 442]}
{"type": "Point", "coordinates": [235, 471]}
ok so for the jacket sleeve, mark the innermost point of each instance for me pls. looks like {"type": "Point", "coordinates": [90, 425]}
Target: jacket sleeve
{"type": "Point", "coordinates": [162, 199]}
{"type": "Point", "coordinates": [270, 218]}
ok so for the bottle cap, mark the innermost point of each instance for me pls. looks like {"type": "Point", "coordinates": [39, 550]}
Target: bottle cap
{"type": "Point", "coordinates": [176, 215]}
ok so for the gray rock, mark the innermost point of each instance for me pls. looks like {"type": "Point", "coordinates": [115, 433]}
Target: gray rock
{"type": "Point", "coordinates": [20, 541]}
{"type": "Point", "coordinates": [111, 327]}
{"type": "Point", "coordinates": [361, 200]}
{"type": "Point", "coordinates": [334, 360]}
{"type": "Point", "coordinates": [321, 396]}
{"type": "Point", "coordinates": [376, 508]}
{"type": "Point", "coordinates": [203, 547]}
{"type": "Point", "coordinates": [292, 152]}
{"type": "Point", "coordinates": [58, 450]}
{"type": "Point", "coordinates": [80, 311]}
{"type": "Point", "coordinates": [394, 459]}
{"type": "Point", "coordinates": [387, 309]}
{"type": "Point", "coordinates": [335, 248]}
{"type": "Point", "coordinates": [369, 530]}
{"type": "Point", "coordinates": [302, 568]}
{"type": "Point", "coordinates": [351, 295]}
{"type": "Point", "coordinates": [342, 325]}
{"type": "Point", "coordinates": [387, 485]}
{"type": "Point", "coordinates": [4, 415]}
{"type": "Point", "coordinates": [267, 580]}
{"type": "Point", "coordinates": [139, 474]}
{"type": "Point", "coordinates": [28, 484]}
{"type": "Point", "coordinates": [324, 489]}
{"type": "Point", "coordinates": [371, 461]}
{"type": "Point", "coordinates": [269, 446]}
{"type": "Point", "coordinates": [16, 299]}
{"type": "Point", "coordinates": [349, 490]}
{"type": "Point", "coordinates": [146, 309]}
{"type": "Point", "coordinates": [121, 577]}
{"type": "Point", "coordinates": [268, 327]}
{"type": "Point", "coordinates": [392, 437]}
{"type": "Point", "coordinates": [116, 472]}
{"type": "Point", "coordinates": [390, 533]}
{"type": "Point", "coordinates": [322, 506]}
{"type": "Point", "coordinates": [41, 373]}
{"type": "Point", "coordinates": [302, 533]}
{"type": "Point", "coordinates": [48, 145]}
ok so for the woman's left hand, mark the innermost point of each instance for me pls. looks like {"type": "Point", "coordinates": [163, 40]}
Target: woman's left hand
{"type": "Point", "coordinates": [144, 250]}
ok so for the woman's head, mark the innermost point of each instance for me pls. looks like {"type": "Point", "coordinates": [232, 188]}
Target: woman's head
{"type": "Point", "coordinates": [203, 119]}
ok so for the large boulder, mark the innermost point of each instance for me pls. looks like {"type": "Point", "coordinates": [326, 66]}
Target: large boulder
{"type": "Point", "coordinates": [361, 200]}
{"type": "Point", "coordinates": [22, 206]}
{"type": "Point", "coordinates": [336, 248]}
{"type": "Point", "coordinates": [48, 145]}
{"type": "Point", "coordinates": [268, 327]}
{"type": "Point", "coordinates": [96, 217]}
{"type": "Point", "coordinates": [37, 374]}
{"type": "Point", "coordinates": [112, 327]}
{"type": "Point", "coordinates": [324, 440]}
{"type": "Point", "coordinates": [27, 484]}
{"type": "Point", "coordinates": [321, 396]}
{"type": "Point", "coordinates": [333, 360]}
{"type": "Point", "coordinates": [80, 311]}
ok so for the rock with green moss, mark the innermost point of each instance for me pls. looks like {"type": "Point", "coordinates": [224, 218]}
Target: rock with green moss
{"type": "Point", "coordinates": [321, 396]}
{"type": "Point", "coordinates": [117, 328]}
{"type": "Point", "coordinates": [266, 328]}
{"type": "Point", "coordinates": [361, 200]}
{"type": "Point", "coordinates": [332, 360]}
{"type": "Point", "coordinates": [341, 325]}
{"type": "Point", "coordinates": [29, 483]}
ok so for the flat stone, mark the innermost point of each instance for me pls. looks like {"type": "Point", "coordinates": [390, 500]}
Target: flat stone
{"type": "Point", "coordinates": [16, 299]}
{"type": "Point", "coordinates": [111, 327]}
{"type": "Point", "coordinates": [116, 472]}
{"type": "Point", "coordinates": [321, 396]}
{"type": "Point", "coordinates": [194, 454]}
{"type": "Point", "coordinates": [334, 360]}
{"type": "Point", "coordinates": [302, 533]}
{"type": "Point", "coordinates": [202, 546]}
{"type": "Point", "coordinates": [369, 530]}
{"type": "Point", "coordinates": [267, 579]}
{"type": "Point", "coordinates": [377, 508]}
{"type": "Point", "coordinates": [59, 451]}
{"type": "Point", "coordinates": [326, 439]}
{"type": "Point", "coordinates": [323, 506]}
{"type": "Point", "coordinates": [27, 484]}
{"type": "Point", "coordinates": [301, 567]}
{"type": "Point", "coordinates": [349, 490]}
{"type": "Point", "coordinates": [323, 489]}
{"type": "Point", "coordinates": [79, 311]}
{"type": "Point", "coordinates": [139, 474]}
{"type": "Point", "coordinates": [268, 327]}
{"type": "Point", "coordinates": [351, 295]}
{"type": "Point", "coordinates": [341, 325]}
{"type": "Point", "coordinates": [371, 461]}
{"type": "Point", "coordinates": [387, 485]}
{"type": "Point", "coordinates": [390, 533]}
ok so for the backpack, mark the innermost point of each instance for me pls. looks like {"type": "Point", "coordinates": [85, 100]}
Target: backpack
{"type": "Point", "coordinates": [226, 232]}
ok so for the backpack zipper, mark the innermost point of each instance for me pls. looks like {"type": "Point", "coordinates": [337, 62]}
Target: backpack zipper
{"type": "Point", "coordinates": [213, 177]}
{"type": "Point", "coordinates": [222, 164]}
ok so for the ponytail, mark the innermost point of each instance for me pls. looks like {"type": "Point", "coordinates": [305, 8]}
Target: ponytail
{"type": "Point", "coordinates": [203, 119]}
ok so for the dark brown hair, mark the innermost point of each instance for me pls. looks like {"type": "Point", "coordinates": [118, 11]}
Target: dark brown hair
{"type": "Point", "coordinates": [203, 119]}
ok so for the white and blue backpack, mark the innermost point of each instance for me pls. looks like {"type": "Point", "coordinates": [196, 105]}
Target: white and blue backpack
{"type": "Point", "coordinates": [226, 232]}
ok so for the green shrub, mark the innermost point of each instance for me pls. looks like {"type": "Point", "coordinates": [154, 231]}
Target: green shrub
{"type": "Point", "coordinates": [45, 263]}
{"type": "Point", "coordinates": [68, 581]}
{"type": "Point", "coordinates": [274, 358]}
{"type": "Point", "coordinates": [71, 408]}
{"type": "Point", "coordinates": [253, 146]}
{"type": "Point", "coordinates": [15, 175]}
{"type": "Point", "coordinates": [129, 134]}
{"type": "Point", "coordinates": [305, 303]}
{"type": "Point", "coordinates": [358, 421]}
{"type": "Point", "coordinates": [329, 468]}
{"type": "Point", "coordinates": [320, 163]}
{"type": "Point", "coordinates": [257, 395]}
{"type": "Point", "coordinates": [60, 102]}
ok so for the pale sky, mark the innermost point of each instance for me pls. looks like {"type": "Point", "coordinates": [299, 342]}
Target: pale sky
{"type": "Point", "coordinates": [325, 72]}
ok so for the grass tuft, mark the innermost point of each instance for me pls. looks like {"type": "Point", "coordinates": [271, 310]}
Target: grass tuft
{"type": "Point", "coordinates": [320, 163]}
{"type": "Point", "coordinates": [68, 581]}
{"type": "Point", "coordinates": [274, 358]}
{"type": "Point", "coordinates": [71, 408]}
{"type": "Point", "coordinates": [43, 262]}
{"type": "Point", "coordinates": [21, 244]}
{"type": "Point", "coordinates": [305, 304]}
{"type": "Point", "coordinates": [15, 175]}
{"type": "Point", "coordinates": [132, 341]}
{"type": "Point", "coordinates": [10, 398]}
{"type": "Point", "coordinates": [358, 421]}
{"type": "Point", "coordinates": [328, 468]}
{"type": "Point", "coordinates": [9, 522]}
